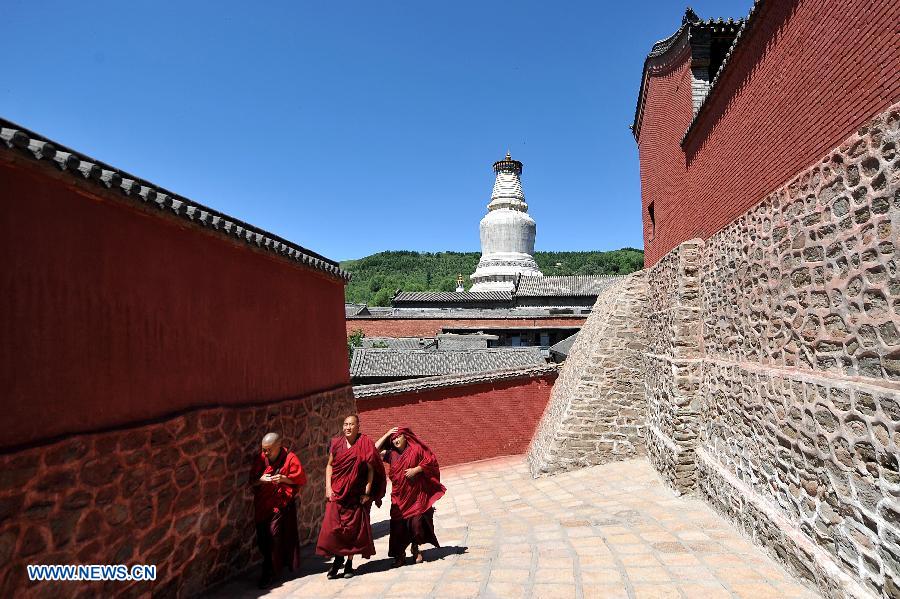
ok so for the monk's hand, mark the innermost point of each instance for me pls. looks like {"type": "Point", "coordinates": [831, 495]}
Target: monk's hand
{"type": "Point", "coordinates": [328, 494]}
{"type": "Point", "coordinates": [394, 430]}
{"type": "Point", "coordinates": [280, 478]}
{"type": "Point", "coordinates": [266, 478]}
{"type": "Point", "coordinates": [365, 498]}
{"type": "Point", "coordinates": [411, 472]}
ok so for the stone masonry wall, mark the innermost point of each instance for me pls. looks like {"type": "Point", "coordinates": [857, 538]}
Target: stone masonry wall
{"type": "Point", "coordinates": [596, 411]}
{"type": "Point", "coordinates": [173, 494]}
{"type": "Point", "coordinates": [673, 364]}
{"type": "Point", "coordinates": [773, 367]}
{"type": "Point", "coordinates": [801, 310]}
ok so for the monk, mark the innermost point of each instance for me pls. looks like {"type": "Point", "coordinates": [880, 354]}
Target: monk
{"type": "Point", "coordinates": [415, 487]}
{"type": "Point", "coordinates": [276, 479]}
{"type": "Point", "coordinates": [354, 478]}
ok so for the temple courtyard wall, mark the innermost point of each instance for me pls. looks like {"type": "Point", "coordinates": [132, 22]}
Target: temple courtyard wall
{"type": "Point", "coordinates": [148, 344]}
{"type": "Point", "coordinates": [771, 370]}
{"type": "Point", "coordinates": [463, 418]}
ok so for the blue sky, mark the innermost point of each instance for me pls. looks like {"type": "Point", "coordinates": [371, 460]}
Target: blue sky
{"type": "Point", "coordinates": [353, 127]}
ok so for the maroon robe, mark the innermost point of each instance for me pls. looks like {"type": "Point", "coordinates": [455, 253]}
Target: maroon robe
{"type": "Point", "coordinates": [412, 500]}
{"type": "Point", "coordinates": [275, 511]}
{"type": "Point", "coordinates": [346, 527]}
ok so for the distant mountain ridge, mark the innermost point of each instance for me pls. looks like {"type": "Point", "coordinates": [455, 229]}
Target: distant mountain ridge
{"type": "Point", "coordinates": [377, 277]}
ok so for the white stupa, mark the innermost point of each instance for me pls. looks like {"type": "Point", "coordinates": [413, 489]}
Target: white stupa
{"type": "Point", "coordinates": [507, 233]}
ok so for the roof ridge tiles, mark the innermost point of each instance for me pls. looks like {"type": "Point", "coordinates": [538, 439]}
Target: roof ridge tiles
{"type": "Point", "coordinates": [28, 143]}
{"type": "Point", "coordinates": [452, 380]}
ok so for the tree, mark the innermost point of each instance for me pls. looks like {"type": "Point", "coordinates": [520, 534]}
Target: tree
{"type": "Point", "coordinates": [354, 340]}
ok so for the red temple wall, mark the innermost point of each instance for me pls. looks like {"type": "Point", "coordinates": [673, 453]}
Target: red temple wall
{"type": "Point", "coordinates": [464, 423]}
{"type": "Point", "coordinates": [408, 327]}
{"type": "Point", "coordinates": [804, 77]}
{"type": "Point", "coordinates": [667, 114]}
{"type": "Point", "coordinates": [115, 315]}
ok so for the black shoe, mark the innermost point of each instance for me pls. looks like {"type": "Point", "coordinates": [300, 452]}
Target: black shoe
{"type": "Point", "coordinates": [335, 566]}
{"type": "Point", "coordinates": [349, 572]}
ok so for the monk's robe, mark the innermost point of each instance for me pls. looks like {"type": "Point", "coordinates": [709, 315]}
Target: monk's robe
{"type": "Point", "coordinates": [346, 526]}
{"type": "Point", "coordinates": [412, 500]}
{"type": "Point", "coordinates": [275, 511]}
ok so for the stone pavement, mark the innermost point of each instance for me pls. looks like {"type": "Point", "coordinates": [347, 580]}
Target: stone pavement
{"type": "Point", "coordinates": [607, 531]}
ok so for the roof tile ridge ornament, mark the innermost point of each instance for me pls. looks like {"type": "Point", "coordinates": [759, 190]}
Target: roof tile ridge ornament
{"type": "Point", "coordinates": [689, 21]}
{"type": "Point", "coordinates": [37, 147]}
{"type": "Point", "coordinates": [745, 24]}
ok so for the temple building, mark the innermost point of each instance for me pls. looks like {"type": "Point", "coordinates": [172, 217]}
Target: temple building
{"type": "Point", "coordinates": [507, 233]}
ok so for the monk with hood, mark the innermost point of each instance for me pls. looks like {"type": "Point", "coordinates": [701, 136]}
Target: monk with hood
{"type": "Point", "coordinates": [415, 487]}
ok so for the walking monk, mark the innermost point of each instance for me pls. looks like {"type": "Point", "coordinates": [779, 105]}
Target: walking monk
{"type": "Point", "coordinates": [354, 478]}
{"type": "Point", "coordinates": [276, 479]}
{"type": "Point", "coordinates": [415, 487]}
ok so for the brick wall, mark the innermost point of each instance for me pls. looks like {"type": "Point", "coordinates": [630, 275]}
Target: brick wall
{"type": "Point", "coordinates": [804, 76]}
{"type": "Point", "coordinates": [415, 327]}
{"type": "Point", "coordinates": [464, 423]}
{"type": "Point", "coordinates": [120, 313]}
{"type": "Point", "coordinates": [667, 114]}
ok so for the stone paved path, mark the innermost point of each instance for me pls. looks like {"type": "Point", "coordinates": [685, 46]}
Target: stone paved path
{"type": "Point", "coordinates": [608, 531]}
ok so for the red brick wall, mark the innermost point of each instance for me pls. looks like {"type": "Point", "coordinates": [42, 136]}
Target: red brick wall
{"type": "Point", "coordinates": [115, 314]}
{"type": "Point", "coordinates": [408, 327]}
{"type": "Point", "coordinates": [667, 113]}
{"type": "Point", "coordinates": [465, 423]}
{"type": "Point", "coordinates": [805, 76]}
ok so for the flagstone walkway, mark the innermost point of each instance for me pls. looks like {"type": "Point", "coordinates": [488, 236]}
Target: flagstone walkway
{"type": "Point", "coordinates": [607, 531]}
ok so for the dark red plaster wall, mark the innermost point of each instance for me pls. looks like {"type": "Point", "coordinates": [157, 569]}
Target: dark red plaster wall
{"type": "Point", "coordinates": [804, 77]}
{"type": "Point", "coordinates": [465, 423]}
{"type": "Point", "coordinates": [115, 314]}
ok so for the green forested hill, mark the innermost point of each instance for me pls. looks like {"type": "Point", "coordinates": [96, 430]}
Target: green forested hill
{"type": "Point", "coordinates": [377, 277]}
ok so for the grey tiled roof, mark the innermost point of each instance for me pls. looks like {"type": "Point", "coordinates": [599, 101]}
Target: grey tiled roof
{"type": "Point", "coordinates": [745, 25]}
{"type": "Point", "coordinates": [453, 380]}
{"type": "Point", "coordinates": [399, 342]}
{"type": "Point", "coordinates": [355, 310]}
{"type": "Point", "coordinates": [563, 347]}
{"type": "Point", "coordinates": [452, 296]}
{"type": "Point", "coordinates": [415, 362]}
{"type": "Point", "coordinates": [451, 341]}
{"type": "Point", "coordinates": [15, 138]}
{"type": "Point", "coordinates": [577, 285]}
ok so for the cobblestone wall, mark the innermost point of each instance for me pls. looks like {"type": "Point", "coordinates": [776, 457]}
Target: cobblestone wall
{"type": "Point", "coordinates": [773, 367]}
{"type": "Point", "coordinates": [597, 410]}
{"type": "Point", "coordinates": [673, 364]}
{"type": "Point", "coordinates": [173, 494]}
{"type": "Point", "coordinates": [801, 385]}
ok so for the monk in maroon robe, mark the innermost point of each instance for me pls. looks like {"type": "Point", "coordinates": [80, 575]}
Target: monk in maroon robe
{"type": "Point", "coordinates": [276, 479]}
{"type": "Point", "coordinates": [415, 487]}
{"type": "Point", "coordinates": [354, 478]}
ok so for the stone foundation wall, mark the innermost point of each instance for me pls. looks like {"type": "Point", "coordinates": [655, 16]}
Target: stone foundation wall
{"type": "Point", "coordinates": [173, 494]}
{"type": "Point", "coordinates": [773, 367]}
{"type": "Point", "coordinates": [802, 385]}
{"type": "Point", "coordinates": [673, 364]}
{"type": "Point", "coordinates": [597, 410]}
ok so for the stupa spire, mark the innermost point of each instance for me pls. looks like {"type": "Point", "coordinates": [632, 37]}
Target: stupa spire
{"type": "Point", "coordinates": [507, 232]}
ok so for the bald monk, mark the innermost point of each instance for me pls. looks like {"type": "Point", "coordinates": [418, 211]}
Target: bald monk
{"type": "Point", "coordinates": [276, 479]}
{"type": "Point", "coordinates": [354, 478]}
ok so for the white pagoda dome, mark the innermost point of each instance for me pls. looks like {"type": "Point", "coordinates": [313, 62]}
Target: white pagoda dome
{"type": "Point", "coordinates": [507, 233]}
